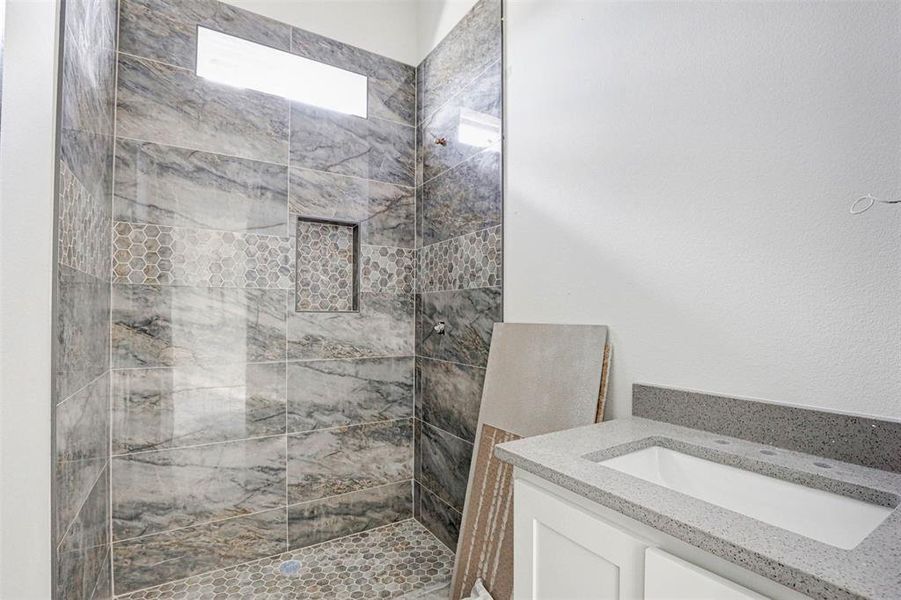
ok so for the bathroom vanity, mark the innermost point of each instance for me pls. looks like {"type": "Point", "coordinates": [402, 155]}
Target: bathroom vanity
{"type": "Point", "coordinates": [638, 508]}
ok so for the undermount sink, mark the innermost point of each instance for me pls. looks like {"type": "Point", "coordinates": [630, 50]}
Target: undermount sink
{"type": "Point", "coordinates": [831, 518]}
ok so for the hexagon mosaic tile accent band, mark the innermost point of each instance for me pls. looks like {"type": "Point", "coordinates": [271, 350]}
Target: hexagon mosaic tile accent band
{"type": "Point", "coordinates": [399, 561]}
{"type": "Point", "coordinates": [469, 261]}
{"type": "Point", "coordinates": [325, 266]}
{"type": "Point", "coordinates": [158, 254]}
{"type": "Point", "coordinates": [387, 269]}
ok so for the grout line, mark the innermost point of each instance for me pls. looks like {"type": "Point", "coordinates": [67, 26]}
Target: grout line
{"type": "Point", "coordinates": [451, 362]}
{"type": "Point", "coordinates": [157, 61]}
{"type": "Point", "coordinates": [200, 445]}
{"type": "Point", "coordinates": [214, 367]}
{"type": "Point", "coordinates": [83, 388]}
{"type": "Point", "coordinates": [440, 499]}
{"type": "Point", "coordinates": [495, 147]}
{"type": "Point", "coordinates": [195, 525]}
{"type": "Point", "coordinates": [237, 233]}
{"type": "Point", "coordinates": [459, 92]}
{"type": "Point", "coordinates": [466, 289]}
{"type": "Point", "coordinates": [59, 543]}
{"type": "Point", "coordinates": [106, 557]}
{"type": "Point", "coordinates": [453, 435]}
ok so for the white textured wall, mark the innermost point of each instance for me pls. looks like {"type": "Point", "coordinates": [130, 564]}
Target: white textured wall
{"type": "Point", "coordinates": [26, 272]}
{"type": "Point", "coordinates": [386, 27]}
{"type": "Point", "coordinates": [682, 171]}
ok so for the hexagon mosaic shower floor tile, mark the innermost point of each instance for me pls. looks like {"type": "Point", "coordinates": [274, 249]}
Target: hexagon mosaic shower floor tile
{"type": "Point", "coordinates": [402, 560]}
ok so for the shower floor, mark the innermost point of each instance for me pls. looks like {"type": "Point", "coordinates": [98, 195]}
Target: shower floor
{"type": "Point", "coordinates": [402, 560]}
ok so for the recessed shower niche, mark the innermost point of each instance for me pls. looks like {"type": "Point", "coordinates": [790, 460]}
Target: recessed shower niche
{"type": "Point", "coordinates": [327, 266]}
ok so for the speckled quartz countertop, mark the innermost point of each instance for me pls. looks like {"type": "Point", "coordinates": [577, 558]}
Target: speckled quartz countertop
{"type": "Point", "coordinates": [870, 570]}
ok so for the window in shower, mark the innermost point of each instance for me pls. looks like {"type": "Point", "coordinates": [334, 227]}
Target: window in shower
{"type": "Point", "coordinates": [240, 63]}
{"type": "Point", "coordinates": [326, 275]}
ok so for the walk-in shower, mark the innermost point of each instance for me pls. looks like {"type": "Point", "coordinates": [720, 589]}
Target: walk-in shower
{"type": "Point", "coordinates": [252, 398]}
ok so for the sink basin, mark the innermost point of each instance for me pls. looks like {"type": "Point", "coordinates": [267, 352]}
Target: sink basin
{"type": "Point", "coordinates": [837, 520]}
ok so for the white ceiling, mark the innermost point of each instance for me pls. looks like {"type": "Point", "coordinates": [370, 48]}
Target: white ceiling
{"type": "Point", "coordinates": [405, 30]}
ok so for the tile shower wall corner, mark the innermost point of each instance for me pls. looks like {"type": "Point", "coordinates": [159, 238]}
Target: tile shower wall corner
{"type": "Point", "coordinates": [81, 378]}
{"type": "Point", "coordinates": [237, 421]}
{"type": "Point", "coordinates": [459, 208]}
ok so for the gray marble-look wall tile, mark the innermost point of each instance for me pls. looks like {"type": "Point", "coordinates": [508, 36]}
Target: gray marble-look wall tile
{"type": "Point", "coordinates": [439, 518]}
{"type": "Point", "coordinates": [82, 447]}
{"type": "Point", "coordinates": [469, 317]}
{"type": "Point", "coordinates": [88, 66]}
{"type": "Point", "coordinates": [168, 105]}
{"type": "Point", "coordinates": [464, 199]}
{"type": "Point", "coordinates": [349, 145]}
{"type": "Point", "coordinates": [170, 407]}
{"type": "Point", "coordinates": [383, 211]}
{"type": "Point", "coordinates": [187, 188]}
{"type": "Point", "coordinates": [468, 123]}
{"type": "Point", "coordinates": [417, 494]}
{"type": "Point", "coordinates": [448, 396]}
{"type": "Point", "coordinates": [387, 269]}
{"type": "Point", "coordinates": [336, 393]}
{"type": "Point", "coordinates": [156, 559]}
{"type": "Point", "coordinates": [165, 30]}
{"type": "Point", "coordinates": [329, 518]}
{"type": "Point", "coordinates": [82, 330]}
{"type": "Point", "coordinates": [474, 260]}
{"type": "Point", "coordinates": [445, 465]}
{"type": "Point", "coordinates": [330, 462]}
{"type": "Point", "coordinates": [471, 46]}
{"type": "Point", "coordinates": [169, 489]}
{"type": "Point", "coordinates": [164, 255]}
{"type": "Point", "coordinates": [382, 327]}
{"type": "Point", "coordinates": [392, 84]}
{"type": "Point", "coordinates": [180, 326]}
{"type": "Point", "coordinates": [84, 548]}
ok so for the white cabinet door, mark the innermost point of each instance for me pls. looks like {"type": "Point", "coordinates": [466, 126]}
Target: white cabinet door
{"type": "Point", "coordinates": [562, 552]}
{"type": "Point", "coordinates": [670, 578]}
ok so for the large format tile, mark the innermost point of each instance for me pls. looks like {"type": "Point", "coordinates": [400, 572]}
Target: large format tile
{"type": "Point", "coordinates": [383, 211]}
{"type": "Point", "coordinates": [169, 326]}
{"type": "Point", "coordinates": [336, 393]}
{"type": "Point", "coordinates": [185, 188]}
{"type": "Point", "coordinates": [392, 84]}
{"type": "Point", "coordinates": [468, 123]}
{"type": "Point", "coordinates": [465, 199]}
{"type": "Point", "coordinates": [163, 557]}
{"type": "Point", "coordinates": [165, 30]}
{"type": "Point", "coordinates": [471, 46]}
{"type": "Point", "coordinates": [85, 547]}
{"type": "Point", "coordinates": [382, 327]}
{"type": "Point", "coordinates": [169, 407]}
{"type": "Point", "coordinates": [445, 465]}
{"type": "Point", "coordinates": [330, 462]}
{"type": "Point", "coordinates": [168, 105]}
{"type": "Point", "coordinates": [82, 330]}
{"type": "Point", "coordinates": [87, 92]}
{"type": "Point", "coordinates": [349, 145]}
{"type": "Point", "coordinates": [168, 489]}
{"type": "Point", "coordinates": [448, 396]}
{"type": "Point", "coordinates": [329, 518]}
{"type": "Point", "coordinates": [82, 447]}
{"type": "Point", "coordinates": [469, 317]}
{"type": "Point", "coordinates": [439, 518]}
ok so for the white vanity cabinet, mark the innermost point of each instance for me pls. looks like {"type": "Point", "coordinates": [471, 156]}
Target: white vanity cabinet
{"type": "Point", "coordinates": [569, 548]}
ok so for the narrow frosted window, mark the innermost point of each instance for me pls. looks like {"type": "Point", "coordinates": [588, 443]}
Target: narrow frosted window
{"type": "Point", "coordinates": [240, 63]}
